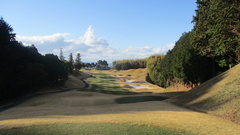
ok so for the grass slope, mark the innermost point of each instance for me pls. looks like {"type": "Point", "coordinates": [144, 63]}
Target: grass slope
{"type": "Point", "coordinates": [218, 96]}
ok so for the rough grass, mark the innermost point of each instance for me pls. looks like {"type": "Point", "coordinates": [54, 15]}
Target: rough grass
{"type": "Point", "coordinates": [218, 96]}
{"type": "Point", "coordinates": [90, 129]}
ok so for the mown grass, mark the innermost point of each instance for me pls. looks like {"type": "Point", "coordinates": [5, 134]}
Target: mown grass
{"type": "Point", "coordinates": [90, 129]}
{"type": "Point", "coordinates": [105, 83]}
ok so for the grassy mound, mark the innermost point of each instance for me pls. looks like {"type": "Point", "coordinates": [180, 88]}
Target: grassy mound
{"type": "Point", "coordinates": [218, 96]}
{"type": "Point", "coordinates": [90, 129]}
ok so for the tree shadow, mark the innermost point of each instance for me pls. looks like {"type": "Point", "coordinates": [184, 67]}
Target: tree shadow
{"type": "Point", "coordinates": [114, 90]}
{"type": "Point", "coordinates": [136, 99]}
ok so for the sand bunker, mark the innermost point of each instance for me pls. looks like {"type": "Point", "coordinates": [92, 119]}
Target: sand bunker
{"type": "Point", "coordinates": [131, 81]}
{"type": "Point", "coordinates": [140, 86]}
{"type": "Point", "coordinates": [119, 76]}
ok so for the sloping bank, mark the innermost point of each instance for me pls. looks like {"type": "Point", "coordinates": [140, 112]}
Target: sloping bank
{"type": "Point", "coordinates": [219, 96]}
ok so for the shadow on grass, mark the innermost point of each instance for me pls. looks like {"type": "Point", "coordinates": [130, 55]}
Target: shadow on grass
{"type": "Point", "coordinates": [114, 90]}
{"type": "Point", "coordinates": [136, 99]}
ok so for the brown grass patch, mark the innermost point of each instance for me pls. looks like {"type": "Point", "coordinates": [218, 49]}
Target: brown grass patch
{"type": "Point", "coordinates": [194, 122]}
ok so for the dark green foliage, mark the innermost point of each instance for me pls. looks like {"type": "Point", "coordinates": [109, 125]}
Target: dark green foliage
{"type": "Point", "coordinates": [129, 64]}
{"type": "Point", "coordinates": [71, 59]}
{"type": "Point", "coordinates": [216, 33]}
{"type": "Point", "coordinates": [6, 34]}
{"type": "Point", "coordinates": [182, 64]}
{"type": "Point", "coordinates": [89, 65]}
{"type": "Point", "coordinates": [23, 69]}
{"type": "Point", "coordinates": [153, 65]}
{"type": "Point", "coordinates": [69, 66]}
{"type": "Point", "coordinates": [102, 65]}
{"type": "Point", "coordinates": [56, 69]}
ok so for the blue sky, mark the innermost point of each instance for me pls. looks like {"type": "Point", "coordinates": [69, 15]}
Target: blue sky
{"type": "Point", "coordinates": [100, 29]}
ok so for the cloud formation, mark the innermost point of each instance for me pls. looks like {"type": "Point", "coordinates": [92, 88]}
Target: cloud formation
{"type": "Point", "coordinates": [45, 44]}
{"type": "Point", "coordinates": [89, 46]}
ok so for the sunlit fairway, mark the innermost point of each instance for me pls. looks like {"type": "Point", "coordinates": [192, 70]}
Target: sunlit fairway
{"type": "Point", "coordinates": [120, 78]}
{"type": "Point", "coordinates": [108, 108]}
{"type": "Point", "coordinates": [105, 83]}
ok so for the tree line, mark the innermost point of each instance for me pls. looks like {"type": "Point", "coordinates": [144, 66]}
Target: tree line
{"type": "Point", "coordinates": [99, 65]}
{"type": "Point", "coordinates": [129, 64]}
{"type": "Point", "coordinates": [23, 69]}
{"type": "Point", "coordinates": [212, 47]}
{"type": "Point", "coordinates": [70, 63]}
{"type": "Point", "coordinates": [78, 64]}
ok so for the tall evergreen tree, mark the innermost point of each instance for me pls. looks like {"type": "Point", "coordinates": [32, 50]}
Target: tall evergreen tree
{"type": "Point", "coordinates": [77, 63]}
{"type": "Point", "coordinates": [6, 32]}
{"type": "Point", "coordinates": [71, 58]}
{"type": "Point", "coordinates": [61, 57]}
{"type": "Point", "coordinates": [217, 30]}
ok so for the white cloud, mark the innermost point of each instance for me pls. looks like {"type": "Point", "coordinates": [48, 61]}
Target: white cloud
{"type": "Point", "coordinates": [89, 46]}
{"type": "Point", "coordinates": [45, 44]}
{"type": "Point", "coordinates": [145, 51]}
{"type": "Point", "coordinates": [42, 39]}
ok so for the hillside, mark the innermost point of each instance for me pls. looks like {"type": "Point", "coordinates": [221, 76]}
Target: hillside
{"type": "Point", "coordinates": [218, 96]}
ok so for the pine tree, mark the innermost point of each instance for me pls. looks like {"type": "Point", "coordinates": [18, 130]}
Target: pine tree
{"type": "Point", "coordinates": [61, 57]}
{"type": "Point", "coordinates": [77, 63]}
{"type": "Point", "coordinates": [71, 58]}
{"type": "Point", "coordinates": [6, 30]}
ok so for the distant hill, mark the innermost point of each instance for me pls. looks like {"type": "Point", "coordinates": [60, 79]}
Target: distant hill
{"type": "Point", "coordinates": [219, 96]}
